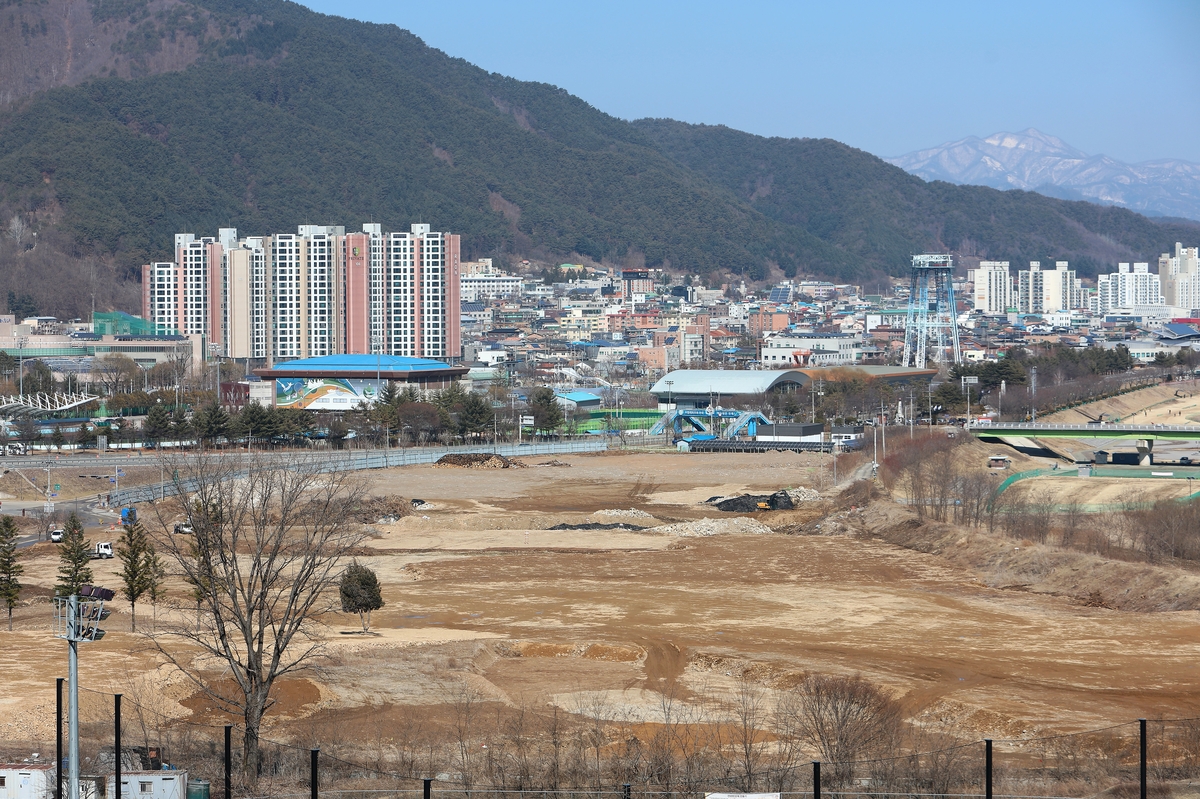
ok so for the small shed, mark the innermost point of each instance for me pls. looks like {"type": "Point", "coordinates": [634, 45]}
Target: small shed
{"type": "Point", "coordinates": [26, 781]}
{"type": "Point", "coordinates": [999, 461]}
{"type": "Point", "coordinates": [1101, 456]}
{"type": "Point", "coordinates": [150, 785]}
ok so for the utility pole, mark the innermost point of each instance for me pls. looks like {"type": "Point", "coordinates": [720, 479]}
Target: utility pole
{"type": "Point", "coordinates": [1033, 392]}
{"type": "Point", "coordinates": [883, 421]}
{"type": "Point", "coordinates": [911, 411]}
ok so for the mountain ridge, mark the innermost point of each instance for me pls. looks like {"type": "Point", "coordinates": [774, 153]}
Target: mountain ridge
{"type": "Point", "coordinates": [1035, 161]}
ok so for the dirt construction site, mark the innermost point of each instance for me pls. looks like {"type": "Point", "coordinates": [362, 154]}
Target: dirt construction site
{"type": "Point", "coordinates": [646, 584]}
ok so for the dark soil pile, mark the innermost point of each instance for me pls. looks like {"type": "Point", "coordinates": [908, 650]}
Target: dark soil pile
{"type": "Point", "coordinates": [748, 503]}
{"type": "Point", "coordinates": [478, 461]}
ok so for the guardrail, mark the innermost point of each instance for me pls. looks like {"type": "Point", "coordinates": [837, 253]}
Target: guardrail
{"type": "Point", "coordinates": [1088, 428]}
{"type": "Point", "coordinates": [358, 460]}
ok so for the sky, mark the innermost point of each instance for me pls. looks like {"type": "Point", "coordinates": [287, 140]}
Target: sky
{"type": "Point", "coordinates": [1118, 78]}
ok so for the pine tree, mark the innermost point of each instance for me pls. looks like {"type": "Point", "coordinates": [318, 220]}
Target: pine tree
{"type": "Point", "coordinates": [133, 549]}
{"type": "Point", "coordinates": [476, 415]}
{"type": "Point", "coordinates": [158, 424]}
{"type": "Point", "coordinates": [156, 575]}
{"type": "Point", "coordinates": [547, 413]}
{"type": "Point", "coordinates": [211, 423]}
{"type": "Point", "coordinates": [360, 592]}
{"type": "Point", "coordinates": [10, 569]}
{"type": "Point", "coordinates": [75, 555]}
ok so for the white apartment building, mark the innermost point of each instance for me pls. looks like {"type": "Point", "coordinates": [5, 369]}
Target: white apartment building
{"type": "Point", "coordinates": [993, 287]}
{"type": "Point", "coordinates": [1128, 289]}
{"type": "Point", "coordinates": [811, 349]}
{"type": "Point", "coordinates": [1042, 291]}
{"type": "Point", "coordinates": [483, 286]}
{"type": "Point", "coordinates": [1180, 277]}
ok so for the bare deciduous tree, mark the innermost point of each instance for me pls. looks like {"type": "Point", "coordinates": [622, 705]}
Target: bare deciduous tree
{"type": "Point", "coordinates": [845, 718]}
{"type": "Point", "coordinates": [268, 545]}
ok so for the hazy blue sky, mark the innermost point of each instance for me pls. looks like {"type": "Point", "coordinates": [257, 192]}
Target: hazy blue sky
{"type": "Point", "coordinates": [1120, 78]}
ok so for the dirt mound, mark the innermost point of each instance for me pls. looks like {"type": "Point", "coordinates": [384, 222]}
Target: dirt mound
{"type": "Point", "coordinates": [479, 461]}
{"type": "Point", "coordinates": [381, 510]}
{"type": "Point", "coordinates": [748, 503]}
{"type": "Point", "coordinates": [555, 462]}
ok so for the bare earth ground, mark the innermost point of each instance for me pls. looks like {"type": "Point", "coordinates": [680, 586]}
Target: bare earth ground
{"type": "Point", "coordinates": [479, 591]}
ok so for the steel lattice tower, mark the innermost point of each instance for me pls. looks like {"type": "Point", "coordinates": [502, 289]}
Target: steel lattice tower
{"type": "Point", "coordinates": [931, 311]}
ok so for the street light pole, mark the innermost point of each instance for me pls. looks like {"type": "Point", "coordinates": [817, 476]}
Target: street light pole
{"type": "Point", "coordinates": [21, 340]}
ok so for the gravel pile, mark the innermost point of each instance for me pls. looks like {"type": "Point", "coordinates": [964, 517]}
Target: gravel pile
{"type": "Point", "coordinates": [632, 513]}
{"type": "Point", "coordinates": [803, 494]}
{"type": "Point", "coordinates": [706, 527]}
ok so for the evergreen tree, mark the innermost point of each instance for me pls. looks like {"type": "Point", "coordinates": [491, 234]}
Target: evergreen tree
{"type": "Point", "coordinates": [75, 555]}
{"type": "Point", "coordinates": [211, 423]}
{"type": "Point", "coordinates": [360, 592]}
{"type": "Point", "coordinates": [181, 426]}
{"type": "Point", "coordinates": [255, 421]}
{"type": "Point", "coordinates": [133, 548]}
{"type": "Point", "coordinates": [451, 397]}
{"type": "Point", "coordinates": [476, 415]}
{"type": "Point", "coordinates": [10, 569]}
{"type": "Point", "coordinates": [86, 436]}
{"type": "Point", "coordinates": [157, 425]}
{"type": "Point", "coordinates": [547, 413]}
{"type": "Point", "coordinates": [156, 575]}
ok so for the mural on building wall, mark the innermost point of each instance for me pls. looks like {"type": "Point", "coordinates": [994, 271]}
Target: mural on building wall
{"type": "Point", "coordinates": [324, 394]}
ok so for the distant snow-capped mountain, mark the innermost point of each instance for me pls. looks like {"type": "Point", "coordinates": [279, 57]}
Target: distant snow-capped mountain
{"type": "Point", "coordinates": [1034, 161]}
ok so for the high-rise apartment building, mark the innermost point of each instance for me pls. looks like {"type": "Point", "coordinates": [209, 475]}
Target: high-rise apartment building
{"type": "Point", "coordinates": [1180, 277]}
{"type": "Point", "coordinates": [1048, 291]}
{"type": "Point", "coordinates": [319, 291]}
{"type": "Point", "coordinates": [993, 287]}
{"type": "Point", "coordinates": [1128, 288]}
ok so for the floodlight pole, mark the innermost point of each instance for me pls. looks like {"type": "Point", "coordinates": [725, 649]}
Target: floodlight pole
{"type": "Point", "coordinates": [72, 698]}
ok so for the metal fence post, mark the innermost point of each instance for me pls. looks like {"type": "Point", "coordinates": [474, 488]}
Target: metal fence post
{"type": "Point", "coordinates": [987, 768]}
{"type": "Point", "coordinates": [1142, 774]}
{"type": "Point", "coordinates": [626, 790]}
{"type": "Point", "coordinates": [58, 758]}
{"type": "Point", "coordinates": [117, 746]}
{"type": "Point", "coordinates": [428, 787]}
{"type": "Point", "coordinates": [312, 773]}
{"type": "Point", "coordinates": [816, 779]}
{"type": "Point", "coordinates": [228, 761]}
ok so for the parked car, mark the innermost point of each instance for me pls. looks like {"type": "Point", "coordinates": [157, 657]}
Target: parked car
{"type": "Point", "coordinates": [57, 534]}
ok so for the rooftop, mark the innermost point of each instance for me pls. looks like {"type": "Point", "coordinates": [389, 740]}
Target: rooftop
{"type": "Point", "coordinates": [361, 363]}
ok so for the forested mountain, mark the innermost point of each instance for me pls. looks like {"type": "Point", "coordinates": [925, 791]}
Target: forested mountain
{"type": "Point", "coordinates": [261, 114]}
